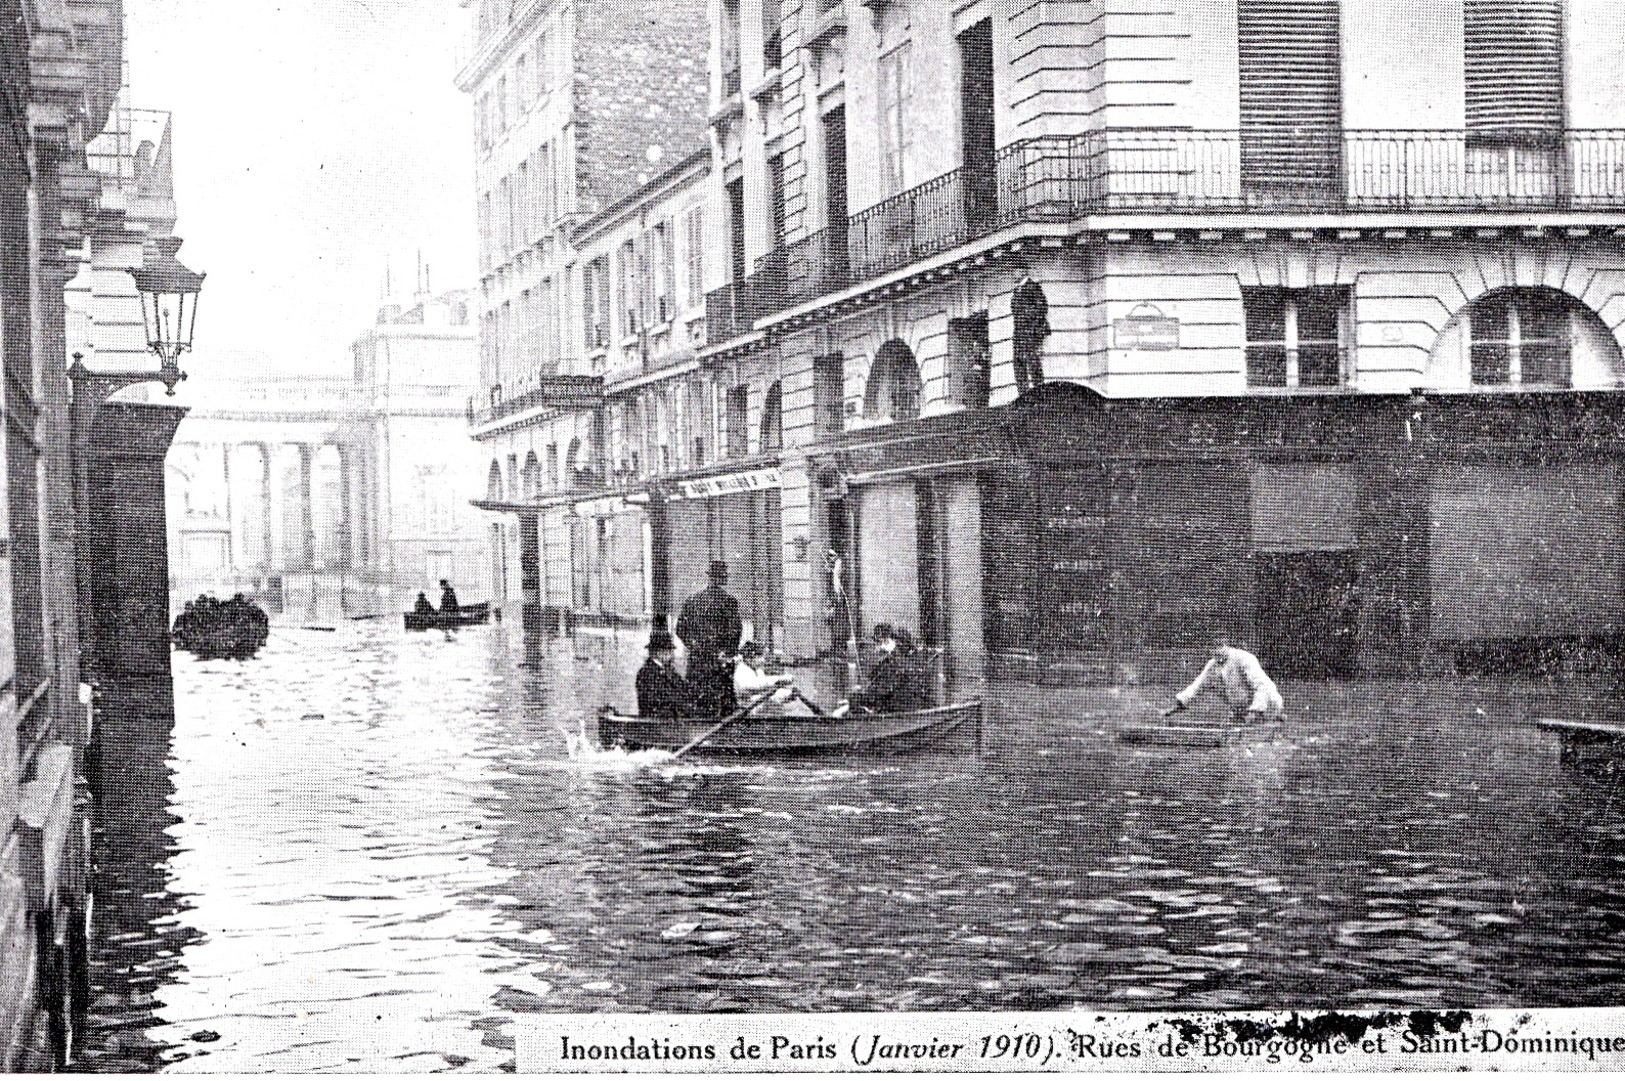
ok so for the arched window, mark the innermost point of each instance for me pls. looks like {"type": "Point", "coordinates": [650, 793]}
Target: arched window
{"type": "Point", "coordinates": [573, 464]}
{"type": "Point", "coordinates": [773, 418]}
{"type": "Point", "coordinates": [1537, 338]}
{"type": "Point", "coordinates": [552, 466]}
{"type": "Point", "coordinates": [893, 390]}
{"type": "Point", "coordinates": [493, 482]}
{"type": "Point", "coordinates": [532, 476]}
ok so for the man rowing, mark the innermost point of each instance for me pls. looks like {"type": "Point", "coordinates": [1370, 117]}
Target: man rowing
{"type": "Point", "coordinates": [1239, 677]}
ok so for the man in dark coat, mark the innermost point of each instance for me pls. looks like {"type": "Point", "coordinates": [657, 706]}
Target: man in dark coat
{"type": "Point", "coordinates": [888, 688]}
{"type": "Point", "coordinates": [662, 692]}
{"type": "Point", "coordinates": [448, 598]}
{"type": "Point", "coordinates": [711, 629]}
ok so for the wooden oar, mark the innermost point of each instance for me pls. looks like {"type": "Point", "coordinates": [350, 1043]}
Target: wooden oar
{"type": "Point", "coordinates": [725, 722]}
{"type": "Point", "coordinates": [818, 711]}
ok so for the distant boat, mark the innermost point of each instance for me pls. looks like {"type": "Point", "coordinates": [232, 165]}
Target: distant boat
{"type": "Point", "coordinates": [884, 732]}
{"type": "Point", "coordinates": [468, 615]}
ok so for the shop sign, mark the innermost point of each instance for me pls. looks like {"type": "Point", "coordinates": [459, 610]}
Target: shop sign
{"type": "Point", "coordinates": [756, 480]}
{"type": "Point", "coordinates": [1145, 327]}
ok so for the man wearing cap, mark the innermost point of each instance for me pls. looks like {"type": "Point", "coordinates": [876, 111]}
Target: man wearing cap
{"type": "Point", "coordinates": [1240, 679]}
{"type": "Point", "coordinates": [711, 629]}
{"type": "Point", "coordinates": [662, 692]}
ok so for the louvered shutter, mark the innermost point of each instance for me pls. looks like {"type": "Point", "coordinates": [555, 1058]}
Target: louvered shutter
{"type": "Point", "coordinates": [1514, 69]}
{"type": "Point", "coordinates": [1291, 92]}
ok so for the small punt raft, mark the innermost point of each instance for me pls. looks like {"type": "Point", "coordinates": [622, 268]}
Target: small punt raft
{"type": "Point", "coordinates": [1193, 735]}
{"type": "Point", "coordinates": [1590, 745]}
{"type": "Point", "coordinates": [469, 615]}
{"type": "Point", "coordinates": [888, 733]}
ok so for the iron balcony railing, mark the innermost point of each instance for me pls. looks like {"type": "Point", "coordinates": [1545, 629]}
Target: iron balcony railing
{"type": "Point", "coordinates": [1129, 171]}
{"type": "Point", "coordinates": [542, 388]}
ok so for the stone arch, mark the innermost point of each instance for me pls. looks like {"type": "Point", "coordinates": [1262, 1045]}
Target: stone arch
{"type": "Point", "coordinates": [572, 463]}
{"type": "Point", "coordinates": [1530, 337]}
{"type": "Point", "coordinates": [893, 390]}
{"type": "Point", "coordinates": [493, 482]}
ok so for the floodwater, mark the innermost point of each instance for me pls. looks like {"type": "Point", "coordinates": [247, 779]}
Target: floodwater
{"type": "Point", "coordinates": [373, 851]}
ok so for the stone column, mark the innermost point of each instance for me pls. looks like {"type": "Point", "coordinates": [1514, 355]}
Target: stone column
{"type": "Point", "coordinates": [307, 500]}
{"type": "Point", "coordinates": [232, 547]}
{"type": "Point", "coordinates": [346, 497]}
{"type": "Point", "coordinates": [267, 518]}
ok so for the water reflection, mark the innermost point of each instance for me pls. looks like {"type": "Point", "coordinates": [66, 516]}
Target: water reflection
{"type": "Point", "coordinates": [373, 851]}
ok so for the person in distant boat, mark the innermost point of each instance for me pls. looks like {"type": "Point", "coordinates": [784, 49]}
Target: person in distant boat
{"type": "Point", "coordinates": [448, 598]}
{"type": "Point", "coordinates": [750, 681]}
{"type": "Point", "coordinates": [662, 691]}
{"type": "Point", "coordinates": [887, 690]}
{"type": "Point", "coordinates": [1239, 677]}
{"type": "Point", "coordinates": [423, 607]}
{"type": "Point", "coordinates": [711, 629]}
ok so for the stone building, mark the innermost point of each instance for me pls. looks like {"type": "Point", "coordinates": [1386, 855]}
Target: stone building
{"type": "Point", "coordinates": [577, 106]}
{"type": "Point", "coordinates": [60, 64]}
{"type": "Point", "coordinates": [305, 491]}
{"type": "Point", "coordinates": [1292, 321]}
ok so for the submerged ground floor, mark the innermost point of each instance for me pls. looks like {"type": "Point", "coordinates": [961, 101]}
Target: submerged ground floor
{"type": "Point", "coordinates": [1072, 538]}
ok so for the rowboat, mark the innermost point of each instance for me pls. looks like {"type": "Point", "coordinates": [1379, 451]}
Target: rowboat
{"type": "Point", "coordinates": [877, 733]}
{"type": "Point", "coordinates": [1588, 745]}
{"type": "Point", "coordinates": [469, 615]}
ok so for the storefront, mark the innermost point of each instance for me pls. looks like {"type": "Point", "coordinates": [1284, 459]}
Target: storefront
{"type": "Point", "coordinates": [1335, 537]}
{"type": "Point", "coordinates": [736, 518]}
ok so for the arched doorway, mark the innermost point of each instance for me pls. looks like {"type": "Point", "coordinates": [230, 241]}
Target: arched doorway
{"type": "Point", "coordinates": [892, 392]}
{"type": "Point", "coordinates": [493, 482]}
{"type": "Point", "coordinates": [773, 418]}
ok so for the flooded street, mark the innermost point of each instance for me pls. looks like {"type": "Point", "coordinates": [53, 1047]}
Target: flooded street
{"type": "Point", "coordinates": [370, 851]}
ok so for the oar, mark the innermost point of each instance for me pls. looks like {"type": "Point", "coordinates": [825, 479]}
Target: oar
{"type": "Point", "coordinates": [725, 722]}
{"type": "Point", "coordinates": [818, 711]}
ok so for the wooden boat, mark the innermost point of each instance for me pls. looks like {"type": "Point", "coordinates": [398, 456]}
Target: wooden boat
{"type": "Point", "coordinates": [469, 615]}
{"type": "Point", "coordinates": [1192, 735]}
{"type": "Point", "coordinates": [882, 733]}
{"type": "Point", "coordinates": [1589, 745]}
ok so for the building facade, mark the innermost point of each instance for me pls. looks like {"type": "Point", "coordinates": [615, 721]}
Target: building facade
{"type": "Point", "coordinates": [61, 73]}
{"type": "Point", "coordinates": [1291, 322]}
{"type": "Point", "coordinates": [308, 491]}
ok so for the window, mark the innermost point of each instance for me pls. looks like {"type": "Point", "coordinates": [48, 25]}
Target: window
{"type": "Point", "coordinates": [552, 465]}
{"type": "Point", "coordinates": [694, 230]}
{"type": "Point", "coordinates": [544, 169]}
{"type": "Point", "coordinates": [525, 205]}
{"type": "Point", "coordinates": [1295, 336]}
{"type": "Point", "coordinates": [482, 121]}
{"type": "Point", "coordinates": [772, 35]}
{"type": "Point", "coordinates": [665, 259]}
{"type": "Point", "coordinates": [893, 389]}
{"type": "Point", "coordinates": [628, 261]}
{"type": "Point", "coordinates": [1514, 68]}
{"type": "Point", "coordinates": [595, 301]}
{"type": "Point", "coordinates": [502, 104]}
{"type": "Point", "coordinates": [504, 219]}
{"type": "Point", "coordinates": [1290, 65]}
{"type": "Point", "coordinates": [829, 393]}
{"type": "Point", "coordinates": [487, 240]}
{"type": "Point", "coordinates": [1521, 337]}
{"type": "Point", "coordinates": [547, 333]}
{"type": "Point", "coordinates": [521, 80]}
{"type": "Point", "coordinates": [737, 414]}
{"type": "Point", "coordinates": [773, 418]}
{"type": "Point", "coordinates": [894, 126]}
{"type": "Point", "coordinates": [544, 63]}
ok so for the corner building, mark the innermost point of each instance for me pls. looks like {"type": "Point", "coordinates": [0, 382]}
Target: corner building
{"type": "Point", "coordinates": [1100, 330]}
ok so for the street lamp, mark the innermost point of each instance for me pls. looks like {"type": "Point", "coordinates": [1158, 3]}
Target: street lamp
{"type": "Point", "coordinates": [169, 296]}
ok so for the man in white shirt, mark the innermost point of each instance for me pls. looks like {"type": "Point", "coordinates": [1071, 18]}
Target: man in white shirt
{"type": "Point", "coordinates": [750, 681]}
{"type": "Point", "coordinates": [1237, 675]}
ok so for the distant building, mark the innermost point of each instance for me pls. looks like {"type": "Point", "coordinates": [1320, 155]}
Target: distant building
{"type": "Point", "coordinates": [304, 489]}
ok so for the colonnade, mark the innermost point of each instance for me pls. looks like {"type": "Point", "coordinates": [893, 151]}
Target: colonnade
{"type": "Point", "coordinates": [278, 507]}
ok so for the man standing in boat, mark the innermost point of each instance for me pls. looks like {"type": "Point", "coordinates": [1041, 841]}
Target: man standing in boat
{"type": "Point", "coordinates": [711, 629]}
{"type": "Point", "coordinates": [448, 599]}
{"type": "Point", "coordinates": [1239, 677]}
{"type": "Point", "coordinates": [662, 692]}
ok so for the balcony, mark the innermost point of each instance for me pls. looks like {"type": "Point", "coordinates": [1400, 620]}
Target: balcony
{"type": "Point", "coordinates": [1152, 171]}
{"type": "Point", "coordinates": [545, 389]}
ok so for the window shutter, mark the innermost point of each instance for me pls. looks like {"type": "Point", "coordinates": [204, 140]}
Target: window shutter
{"type": "Point", "coordinates": [1514, 65]}
{"type": "Point", "coordinates": [1291, 91]}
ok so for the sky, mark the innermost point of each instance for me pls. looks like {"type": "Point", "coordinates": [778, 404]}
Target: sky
{"type": "Point", "coordinates": [316, 142]}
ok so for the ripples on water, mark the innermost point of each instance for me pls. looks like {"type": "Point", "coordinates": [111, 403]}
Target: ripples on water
{"type": "Point", "coordinates": [369, 851]}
